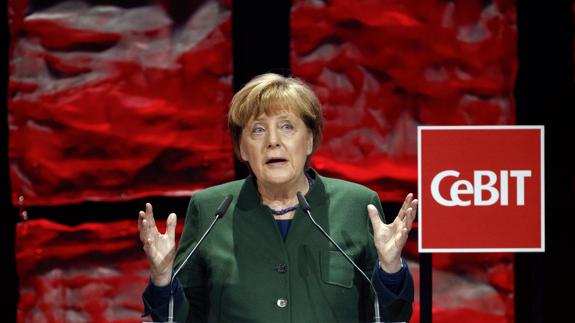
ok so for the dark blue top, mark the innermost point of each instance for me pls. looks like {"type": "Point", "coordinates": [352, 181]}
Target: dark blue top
{"type": "Point", "coordinates": [284, 225]}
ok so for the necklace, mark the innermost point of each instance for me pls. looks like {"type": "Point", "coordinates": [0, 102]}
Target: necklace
{"type": "Point", "coordinates": [291, 208]}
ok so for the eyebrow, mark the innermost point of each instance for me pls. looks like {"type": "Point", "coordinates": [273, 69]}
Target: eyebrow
{"type": "Point", "coordinates": [281, 116]}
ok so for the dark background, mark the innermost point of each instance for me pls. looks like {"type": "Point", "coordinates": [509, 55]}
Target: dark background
{"type": "Point", "coordinates": [544, 94]}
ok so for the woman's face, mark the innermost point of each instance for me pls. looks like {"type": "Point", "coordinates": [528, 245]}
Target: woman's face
{"type": "Point", "coordinates": [276, 147]}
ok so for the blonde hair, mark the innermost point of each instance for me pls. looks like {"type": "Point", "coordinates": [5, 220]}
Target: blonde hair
{"type": "Point", "coordinates": [272, 93]}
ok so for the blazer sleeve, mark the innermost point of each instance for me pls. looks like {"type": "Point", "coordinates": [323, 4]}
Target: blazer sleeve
{"type": "Point", "coordinates": [157, 305]}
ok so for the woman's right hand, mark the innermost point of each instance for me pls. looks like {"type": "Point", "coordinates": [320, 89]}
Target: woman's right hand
{"type": "Point", "coordinates": [160, 248]}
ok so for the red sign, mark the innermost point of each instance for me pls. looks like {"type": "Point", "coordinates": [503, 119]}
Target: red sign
{"type": "Point", "coordinates": [481, 189]}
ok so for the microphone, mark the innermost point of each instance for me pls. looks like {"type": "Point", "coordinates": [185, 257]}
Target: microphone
{"type": "Point", "coordinates": [220, 211]}
{"type": "Point", "coordinates": [307, 209]}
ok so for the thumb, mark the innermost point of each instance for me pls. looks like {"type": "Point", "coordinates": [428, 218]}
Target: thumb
{"type": "Point", "coordinates": [171, 226]}
{"type": "Point", "coordinates": [376, 222]}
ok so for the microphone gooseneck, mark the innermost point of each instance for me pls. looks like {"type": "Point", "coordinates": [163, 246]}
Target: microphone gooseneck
{"type": "Point", "coordinates": [223, 207]}
{"type": "Point", "coordinates": [220, 211]}
{"type": "Point", "coordinates": [307, 209]}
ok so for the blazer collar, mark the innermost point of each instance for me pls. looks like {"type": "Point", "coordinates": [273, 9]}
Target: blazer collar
{"type": "Point", "coordinates": [249, 197]}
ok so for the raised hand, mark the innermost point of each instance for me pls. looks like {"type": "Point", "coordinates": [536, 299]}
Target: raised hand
{"type": "Point", "coordinates": [391, 238]}
{"type": "Point", "coordinates": [160, 248]}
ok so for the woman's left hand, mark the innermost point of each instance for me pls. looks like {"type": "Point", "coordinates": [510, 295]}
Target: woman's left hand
{"type": "Point", "coordinates": [390, 238]}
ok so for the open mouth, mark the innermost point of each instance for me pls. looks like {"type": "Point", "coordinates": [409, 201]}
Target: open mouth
{"type": "Point", "coordinates": [276, 161]}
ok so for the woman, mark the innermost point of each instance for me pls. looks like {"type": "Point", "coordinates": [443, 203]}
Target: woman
{"type": "Point", "coordinates": [265, 261]}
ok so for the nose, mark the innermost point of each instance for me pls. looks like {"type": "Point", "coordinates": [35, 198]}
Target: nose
{"type": "Point", "coordinates": [273, 138]}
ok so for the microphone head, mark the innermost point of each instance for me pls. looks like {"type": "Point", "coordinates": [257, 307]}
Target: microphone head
{"type": "Point", "coordinates": [303, 202]}
{"type": "Point", "coordinates": [223, 207]}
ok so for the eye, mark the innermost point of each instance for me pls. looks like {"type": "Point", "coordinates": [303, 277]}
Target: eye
{"type": "Point", "coordinates": [287, 126]}
{"type": "Point", "coordinates": [258, 130]}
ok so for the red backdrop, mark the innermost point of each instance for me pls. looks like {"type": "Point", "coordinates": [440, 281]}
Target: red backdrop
{"type": "Point", "coordinates": [383, 67]}
{"type": "Point", "coordinates": [94, 272]}
{"type": "Point", "coordinates": [110, 103]}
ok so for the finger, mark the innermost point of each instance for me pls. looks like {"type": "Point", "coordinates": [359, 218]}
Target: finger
{"type": "Point", "coordinates": [411, 217]}
{"type": "Point", "coordinates": [171, 226]}
{"type": "Point", "coordinates": [406, 223]}
{"type": "Point", "coordinates": [147, 225]}
{"type": "Point", "coordinates": [141, 216]}
{"type": "Point", "coordinates": [402, 208]}
{"type": "Point", "coordinates": [141, 223]}
{"type": "Point", "coordinates": [405, 206]}
{"type": "Point", "coordinates": [376, 222]}
{"type": "Point", "coordinates": [401, 239]}
{"type": "Point", "coordinates": [145, 234]}
{"type": "Point", "coordinates": [150, 214]}
{"type": "Point", "coordinates": [401, 218]}
{"type": "Point", "coordinates": [405, 201]}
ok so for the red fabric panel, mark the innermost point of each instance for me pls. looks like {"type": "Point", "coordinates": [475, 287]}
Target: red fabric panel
{"type": "Point", "coordinates": [94, 272]}
{"type": "Point", "coordinates": [476, 287]}
{"type": "Point", "coordinates": [383, 67]}
{"type": "Point", "coordinates": [110, 103]}
{"type": "Point", "coordinates": [473, 287]}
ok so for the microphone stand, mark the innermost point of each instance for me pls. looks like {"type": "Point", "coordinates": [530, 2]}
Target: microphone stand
{"type": "Point", "coordinates": [220, 211]}
{"type": "Point", "coordinates": [307, 209]}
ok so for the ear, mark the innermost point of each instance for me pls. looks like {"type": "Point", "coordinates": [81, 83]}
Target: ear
{"type": "Point", "coordinates": [243, 154]}
{"type": "Point", "coordinates": [309, 143]}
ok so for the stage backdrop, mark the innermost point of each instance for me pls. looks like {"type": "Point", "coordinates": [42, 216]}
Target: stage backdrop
{"type": "Point", "coordinates": [383, 67]}
{"type": "Point", "coordinates": [93, 272]}
{"type": "Point", "coordinates": [111, 103]}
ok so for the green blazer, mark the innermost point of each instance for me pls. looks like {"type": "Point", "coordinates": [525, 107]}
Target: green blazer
{"type": "Point", "coordinates": [245, 272]}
